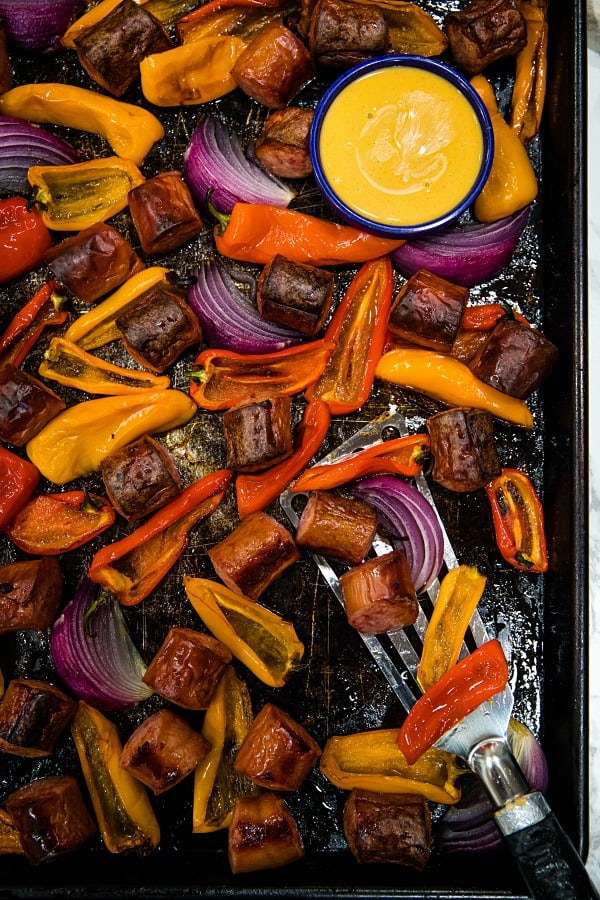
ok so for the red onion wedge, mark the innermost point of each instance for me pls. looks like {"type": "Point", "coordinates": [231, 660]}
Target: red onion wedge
{"type": "Point", "coordinates": [410, 521]}
{"type": "Point", "coordinates": [93, 653]}
{"type": "Point", "coordinates": [214, 161]}
{"type": "Point", "coordinates": [23, 145]}
{"type": "Point", "coordinates": [229, 318]}
{"type": "Point", "coordinates": [465, 254]}
{"type": "Point", "coordinates": [38, 24]}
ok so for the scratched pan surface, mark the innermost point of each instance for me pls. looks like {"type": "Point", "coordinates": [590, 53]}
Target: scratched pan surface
{"type": "Point", "coordinates": [338, 689]}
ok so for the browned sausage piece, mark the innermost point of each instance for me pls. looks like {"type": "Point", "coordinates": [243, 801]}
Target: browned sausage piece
{"type": "Point", "coordinates": [427, 311]}
{"type": "Point", "coordinates": [294, 294]}
{"type": "Point", "coordinates": [159, 328]}
{"type": "Point", "coordinates": [163, 213]}
{"type": "Point", "coordinates": [258, 435]}
{"type": "Point", "coordinates": [26, 405]}
{"type": "Point", "coordinates": [33, 714]}
{"type": "Point", "coordinates": [342, 34]}
{"type": "Point", "coordinates": [51, 817]}
{"type": "Point", "coordinates": [30, 594]}
{"type": "Point", "coordinates": [485, 31]}
{"type": "Point", "coordinates": [263, 834]}
{"type": "Point", "coordinates": [111, 50]}
{"type": "Point", "coordinates": [163, 750]}
{"type": "Point", "coordinates": [463, 448]}
{"type": "Point", "coordinates": [283, 145]}
{"type": "Point", "coordinates": [93, 262]}
{"type": "Point", "coordinates": [337, 527]}
{"type": "Point", "coordinates": [274, 67]}
{"type": "Point", "coordinates": [515, 359]}
{"type": "Point", "coordinates": [254, 554]}
{"type": "Point", "coordinates": [140, 478]}
{"type": "Point", "coordinates": [278, 752]}
{"type": "Point", "coordinates": [379, 594]}
{"type": "Point", "coordinates": [388, 828]}
{"type": "Point", "coordinates": [187, 668]}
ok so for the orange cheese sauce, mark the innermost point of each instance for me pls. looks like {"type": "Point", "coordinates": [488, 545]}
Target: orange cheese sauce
{"type": "Point", "coordinates": [401, 146]}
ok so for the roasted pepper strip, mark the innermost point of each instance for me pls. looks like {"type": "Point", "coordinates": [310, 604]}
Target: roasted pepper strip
{"type": "Point", "coordinates": [191, 73]}
{"type": "Point", "coordinates": [358, 329]}
{"type": "Point", "coordinates": [410, 28]}
{"type": "Point", "coordinates": [255, 491]}
{"type": "Point", "coordinates": [243, 18]}
{"type": "Point", "coordinates": [75, 442]}
{"type": "Point", "coordinates": [69, 365]}
{"type": "Point", "coordinates": [130, 130]}
{"type": "Point", "coordinates": [402, 456]}
{"type": "Point", "coordinates": [264, 642]}
{"type": "Point", "coordinates": [24, 238]}
{"type": "Point", "coordinates": [255, 233]}
{"type": "Point", "coordinates": [217, 786]}
{"type": "Point", "coordinates": [224, 378]}
{"type": "Point", "coordinates": [518, 520]}
{"type": "Point", "coordinates": [483, 317]}
{"type": "Point", "coordinates": [18, 480]}
{"type": "Point", "coordinates": [97, 326]}
{"type": "Point", "coordinates": [529, 89]}
{"type": "Point", "coordinates": [468, 684]}
{"type": "Point", "coordinates": [50, 524]}
{"type": "Point", "coordinates": [372, 761]}
{"type": "Point", "coordinates": [459, 594]}
{"type": "Point", "coordinates": [448, 380]}
{"type": "Point", "coordinates": [132, 567]}
{"type": "Point", "coordinates": [44, 308]}
{"type": "Point", "coordinates": [78, 195]}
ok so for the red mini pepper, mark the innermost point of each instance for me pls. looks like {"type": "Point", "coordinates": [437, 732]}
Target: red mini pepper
{"type": "Point", "coordinates": [467, 685]}
{"type": "Point", "coordinates": [486, 316]}
{"type": "Point", "coordinates": [44, 308]}
{"type": "Point", "coordinates": [225, 378]}
{"type": "Point", "coordinates": [255, 233]}
{"type": "Point", "coordinates": [132, 567]}
{"type": "Point", "coordinates": [358, 329]}
{"type": "Point", "coordinates": [18, 480]}
{"type": "Point", "coordinates": [402, 456]}
{"type": "Point", "coordinates": [50, 524]}
{"type": "Point", "coordinates": [518, 519]}
{"type": "Point", "coordinates": [23, 238]}
{"type": "Point", "coordinates": [254, 492]}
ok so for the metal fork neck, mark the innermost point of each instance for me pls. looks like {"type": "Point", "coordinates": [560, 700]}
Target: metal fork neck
{"type": "Point", "coordinates": [495, 765]}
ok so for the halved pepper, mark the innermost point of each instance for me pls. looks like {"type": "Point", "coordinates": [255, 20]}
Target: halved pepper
{"type": "Point", "coordinates": [402, 456]}
{"type": "Point", "coordinates": [529, 89]}
{"type": "Point", "coordinates": [264, 642]}
{"type": "Point", "coordinates": [255, 491]}
{"type": "Point", "coordinates": [78, 195]}
{"type": "Point", "coordinates": [18, 480]}
{"type": "Point", "coordinates": [50, 524]}
{"type": "Point", "coordinates": [67, 364]}
{"type": "Point", "coordinates": [132, 567]}
{"type": "Point", "coordinates": [225, 378]}
{"type": "Point", "coordinates": [191, 73]}
{"type": "Point", "coordinates": [372, 761]}
{"type": "Point", "coordinates": [242, 18]}
{"type": "Point", "coordinates": [44, 308]}
{"type": "Point", "coordinates": [24, 238]}
{"type": "Point", "coordinates": [358, 329]}
{"type": "Point", "coordinates": [457, 599]}
{"type": "Point", "coordinates": [518, 519]}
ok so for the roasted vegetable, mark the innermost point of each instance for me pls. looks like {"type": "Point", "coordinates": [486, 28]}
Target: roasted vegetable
{"type": "Point", "coordinates": [518, 519]}
{"type": "Point", "coordinates": [45, 308]}
{"type": "Point", "coordinates": [50, 524]}
{"type": "Point", "coordinates": [24, 238]}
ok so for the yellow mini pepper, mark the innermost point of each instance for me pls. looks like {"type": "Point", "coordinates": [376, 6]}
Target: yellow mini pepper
{"type": "Point", "coordinates": [75, 442]}
{"type": "Point", "coordinates": [191, 73]}
{"type": "Point", "coordinates": [450, 381]}
{"type": "Point", "coordinates": [130, 130]}
{"type": "Point", "coordinates": [529, 89]}
{"type": "Point", "coordinates": [75, 196]}
{"type": "Point", "coordinates": [512, 183]}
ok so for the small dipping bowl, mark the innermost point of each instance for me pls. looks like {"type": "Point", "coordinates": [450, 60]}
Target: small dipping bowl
{"type": "Point", "coordinates": [401, 145]}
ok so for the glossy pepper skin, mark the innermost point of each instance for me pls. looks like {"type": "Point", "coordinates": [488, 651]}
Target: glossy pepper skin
{"type": "Point", "coordinates": [78, 195]}
{"type": "Point", "coordinates": [529, 89]}
{"type": "Point", "coordinates": [191, 73]}
{"type": "Point", "coordinates": [468, 684]}
{"type": "Point", "coordinates": [358, 330]}
{"type": "Point", "coordinates": [45, 308]}
{"type": "Point", "coordinates": [18, 481]}
{"type": "Point", "coordinates": [518, 519]}
{"type": "Point", "coordinates": [255, 491]}
{"type": "Point", "coordinates": [50, 524]}
{"type": "Point", "coordinates": [132, 567]}
{"type": "Point", "coordinates": [242, 18]}
{"type": "Point", "coordinates": [130, 130]}
{"type": "Point", "coordinates": [24, 238]}
{"type": "Point", "coordinates": [255, 233]}
{"type": "Point", "coordinates": [450, 381]}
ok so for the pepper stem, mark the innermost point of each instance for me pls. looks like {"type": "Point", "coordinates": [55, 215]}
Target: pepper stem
{"type": "Point", "coordinates": [222, 218]}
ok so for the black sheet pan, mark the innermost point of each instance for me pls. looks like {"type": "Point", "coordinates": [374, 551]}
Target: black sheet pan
{"type": "Point", "coordinates": [339, 689]}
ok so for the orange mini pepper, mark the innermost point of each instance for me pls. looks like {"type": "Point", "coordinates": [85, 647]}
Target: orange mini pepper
{"type": "Point", "coordinates": [50, 524]}
{"type": "Point", "coordinates": [518, 520]}
{"type": "Point", "coordinates": [44, 308]}
{"type": "Point", "coordinates": [18, 480]}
